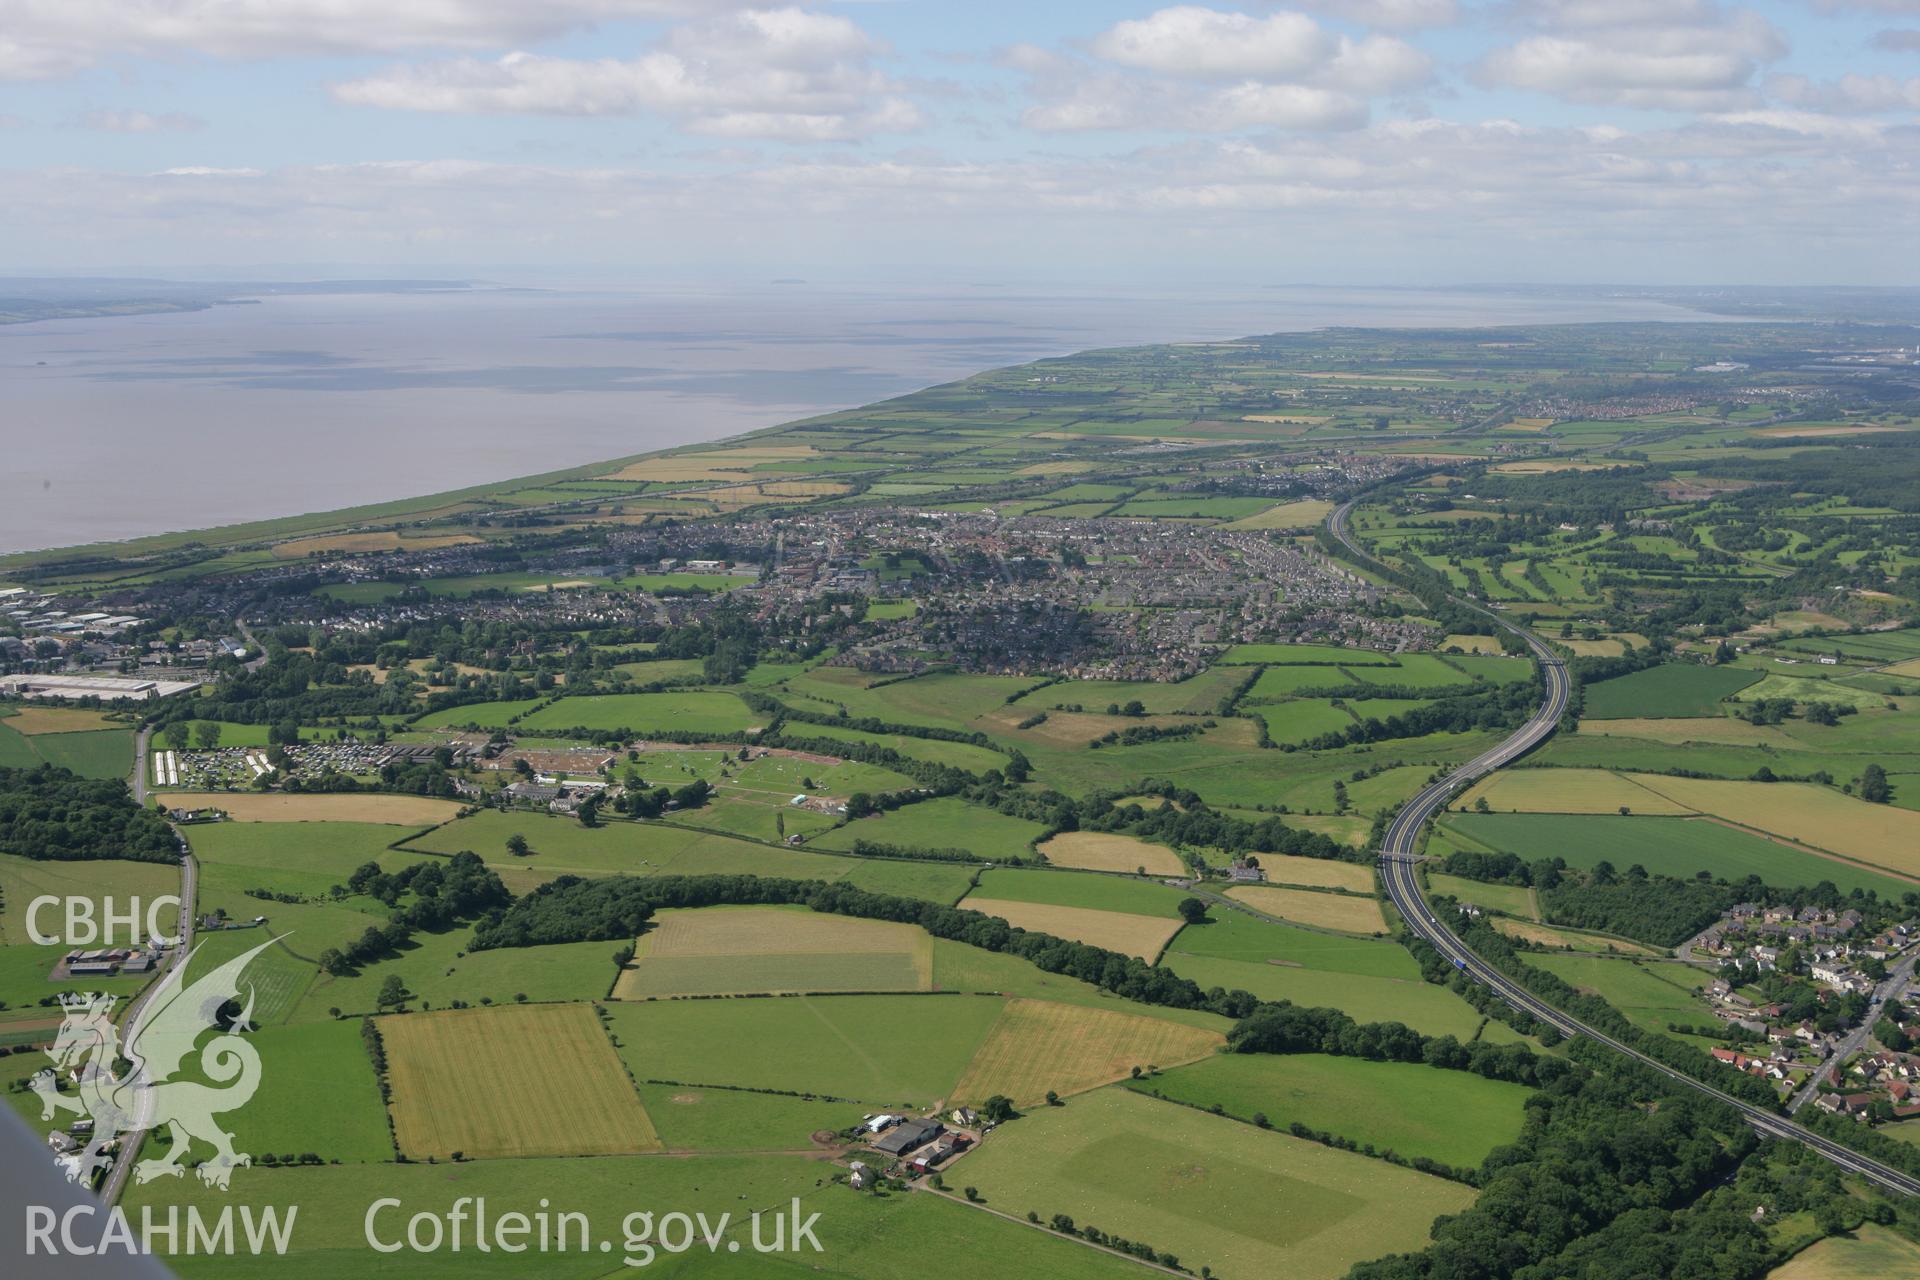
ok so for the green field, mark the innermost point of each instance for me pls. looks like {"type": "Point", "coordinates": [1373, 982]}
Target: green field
{"type": "Point", "coordinates": [935, 701]}
{"type": "Point", "coordinates": [1650, 994]}
{"type": "Point", "coordinates": [883, 1050]}
{"type": "Point", "coordinates": [1302, 719]}
{"type": "Point", "coordinates": [1372, 980]}
{"type": "Point", "coordinates": [1197, 695]}
{"type": "Point", "coordinates": [305, 857]}
{"type": "Point", "coordinates": [692, 711]}
{"type": "Point", "coordinates": [1868, 1253]}
{"type": "Point", "coordinates": [960, 755]}
{"type": "Point", "coordinates": [1236, 935]}
{"type": "Point", "coordinates": [1666, 846]}
{"type": "Point", "coordinates": [1454, 1117]}
{"type": "Point", "coordinates": [1282, 682]}
{"type": "Point", "coordinates": [24, 965]}
{"type": "Point", "coordinates": [1208, 1189]}
{"type": "Point", "coordinates": [1429, 1009]}
{"type": "Point", "coordinates": [1674, 689]}
{"type": "Point", "coordinates": [91, 753]}
{"type": "Point", "coordinates": [488, 715]}
{"type": "Point", "coordinates": [1079, 889]}
{"type": "Point", "coordinates": [1513, 899]}
{"type": "Point", "coordinates": [755, 950]}
{"type": "Point", "coordinates": [1290, 654]}
{"type": "Point", "coordinates": [317, 1094]}
{"type": "Point", "coordinates": [959, 967]}
{"type": "Point", "coordinates": [561, 846]}
{"type": "Point", "coordinates": [739, 1119]}
{"type": "Point", "coordinates": [434, 969]}
{"type": "Point", "coordinates": [945, 822]}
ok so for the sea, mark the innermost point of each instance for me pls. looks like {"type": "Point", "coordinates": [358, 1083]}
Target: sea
{"type": "Point", "coordinates": [118, 427]}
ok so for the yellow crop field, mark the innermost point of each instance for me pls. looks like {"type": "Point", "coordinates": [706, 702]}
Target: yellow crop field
{"type": "Point", "coordinates": [1568, 791]}
{"type": "Point", "coordinates": [34, 719]}
{"type": "Point", "coordinates": [1911, 667]}
{"type": "Point", "coordinates": [1321, 910]}
{"type": "Point", "coordinates": [1103, 851]}
{"type": "Point", "coordinates": [725, 950]}
{"type": "Point", "coordinates": [1143, 936]}
{"type": "Point", "coordinates": [1288, 515]}
{"type": "Point", "coordinates": [1054, 469]}
{"type": "Point", "coordinates": [249, 806]}
{"type": "Point", "coordinates": [1038, 1045]}
{"type": "Point", "coordinates": [1318, 873]}
{"type": "Point", "coordinates": [522, 1080]}
{"type": "Point", "coordinates": [1472, 644]}
{"type": "Point", "coordinates": [367, 541]}
{"type": "Point", "coordinates": [1880, 834]}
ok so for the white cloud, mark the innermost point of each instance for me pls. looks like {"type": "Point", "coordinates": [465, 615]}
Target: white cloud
{"type": "Point", "coordinates": [1873, 6]}
{"type": "Point", "coordinates": [139, 122]}
{"type": "Point", "coordinates": [1396, 14]}
{"type": "Point", "coordinates": [1190, 41]}
{"type": "Point", "coordinates": [1897, 40]}
{"type": "Point", "coordinates": [784, 73]}
{"type": "Point", "coordinates": [1194, 69]}
{"type": "Point", "coordinates": [1849, 95]}
{"type": "Point", "coordinates": [45, 38]}
{"type": "Point", "coordinates": [1775, 186]}
{"type": "Point", "coordinates": [1801, 195]}
{"type": "Point", "coordinates": [1692, 55]}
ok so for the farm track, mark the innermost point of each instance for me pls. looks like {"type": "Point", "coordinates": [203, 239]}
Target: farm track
{"type": "Point", "coordinates": [1399, 860]}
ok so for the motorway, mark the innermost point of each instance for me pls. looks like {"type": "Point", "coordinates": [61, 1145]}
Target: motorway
{"type": "Point", "coordinates": [1399, 860]}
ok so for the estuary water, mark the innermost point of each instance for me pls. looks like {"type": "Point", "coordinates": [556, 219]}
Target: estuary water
{"type": "Point", "coordinates": [118, 427]}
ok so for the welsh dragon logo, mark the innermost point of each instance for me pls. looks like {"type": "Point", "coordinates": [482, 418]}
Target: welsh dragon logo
{"type": "Point", "coordinates": [164, 1033]}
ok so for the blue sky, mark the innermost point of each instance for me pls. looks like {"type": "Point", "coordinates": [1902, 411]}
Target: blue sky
{"type": "Point", "coordinates": [1418, 141]}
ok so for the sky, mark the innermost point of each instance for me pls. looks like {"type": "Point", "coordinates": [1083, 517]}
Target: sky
{"type": "Point", "coordinates": [996, 142]}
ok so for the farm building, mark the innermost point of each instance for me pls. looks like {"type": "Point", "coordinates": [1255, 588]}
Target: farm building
{"type": "Point", "coordinates": [908, 1135]}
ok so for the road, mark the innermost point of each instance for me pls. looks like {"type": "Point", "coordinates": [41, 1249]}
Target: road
{"type": "Point", "coordinates": [140, 765]}
{"type": "Point", "coordinates": [1399, 859]}
{"type": "Point", "coordinates": [1889, 989]}
{"type": "Point", "coordinates": [246, 633]}
{"type": "Point", "coordinates": [189, 880]}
